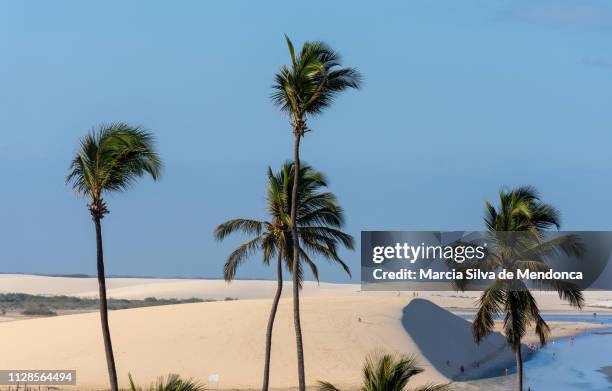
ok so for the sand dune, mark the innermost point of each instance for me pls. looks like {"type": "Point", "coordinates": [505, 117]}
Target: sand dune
{"type": "Point", "coordinates": [341, 325]}
{"type": "Point", "coordinates": [140, 288]}
{"type": "Point", "coordinates": [227, 338]}
{"type": "Point", "coordinates": [447, 343]}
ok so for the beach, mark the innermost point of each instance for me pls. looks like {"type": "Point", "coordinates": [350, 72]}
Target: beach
{"type": "Point", "coordinates": [341, 326]}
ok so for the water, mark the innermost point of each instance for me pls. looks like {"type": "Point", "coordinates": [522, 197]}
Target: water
{"type": "Point", "coordinates": [599, 319]}
{"type": "Point", "coordinates": [570, 364]}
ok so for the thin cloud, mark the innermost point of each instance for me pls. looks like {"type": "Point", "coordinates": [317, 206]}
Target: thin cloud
{"type": "Point", "coordinates": [596, 62]}
{"type": "Point", "coordinates": [584, 14]}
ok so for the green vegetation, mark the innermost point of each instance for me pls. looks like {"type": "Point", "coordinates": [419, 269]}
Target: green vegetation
{"type": "Point", "coordinates": [319, 219]}
{"type": "Point", "coordinates": [385, 372]}
{"type": "Point", "coordinates": [303, 90]}
{"type": "Point", "coordinates": [109, 160]}
{"type": "Point", "coordinates": [23, 302]}
{"type": "Point", "coordinates": [521, 210]}
{"type": "Point", "coordinates": [38, 310]}
{"type": "Point", "coordinates": [171, 382]}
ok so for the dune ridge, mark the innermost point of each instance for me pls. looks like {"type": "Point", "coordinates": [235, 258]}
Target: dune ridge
{"type": "Point", "coordinates": [227, 338]}
{"type": "Point", "coordinates": [341, 326]}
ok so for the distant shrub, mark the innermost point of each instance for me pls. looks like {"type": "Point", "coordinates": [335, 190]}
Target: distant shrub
{"type": "Point", "coordinates": [19, 302]}
{"type": "Point", "coordinates": [38, 310]}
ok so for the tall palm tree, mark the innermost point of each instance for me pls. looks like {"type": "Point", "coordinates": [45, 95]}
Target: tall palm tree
{"type": "Point", "coordinates": [319, 219]}
{"type": "Point", "coordinates": [304, 89]}
{"type": "Point", "coordinates": [521, 210]}
{"type": "Point", "coordinates": [385, 372]}
{"type": "Point", "coordinates": [110, 159]}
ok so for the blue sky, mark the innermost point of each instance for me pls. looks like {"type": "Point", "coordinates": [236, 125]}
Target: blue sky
{"type": "Point", "coordinates": [461, 99]}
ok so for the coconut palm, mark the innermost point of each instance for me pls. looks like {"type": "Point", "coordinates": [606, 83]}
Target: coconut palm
{"type": "Point", "coordinates": [319, 219]}
{"type": "Point", "coordinates": [172, 382]}
{"type": "Point", "coordinates": [386, 372]}
{"type": "Point", "coordinates": [110, 159]}
{"type": "Point", "coordinates": [304, 89]}
{"type": "Point", "coordinates": [521, 210]}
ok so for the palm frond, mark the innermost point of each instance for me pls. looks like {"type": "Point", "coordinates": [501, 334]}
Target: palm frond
{"type": "Point", "coordinates": [171, 382]}
{"type": "Point", "coordinates": [567, 291]}
{"type": "Point", "coordinates": [313, 266]}
{"type": "Point", "coordinates": [434, 387]}
{"type": "Point", "coordinates": [516, 318]}
{"type": "Point", "coordinates": [326, 386]}
{"type": "Point", "coordinates": [246, 226]}
{"type": "Point", "coordinates": [239, 255]}
{"type": "Point", "coordinates": [490, 306]}
{"type": "Point", "coordinates": [542, 329]}
{"type": "Point", "coordinates": [388, 372]}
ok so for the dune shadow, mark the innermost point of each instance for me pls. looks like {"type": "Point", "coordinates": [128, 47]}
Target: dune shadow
{"type": "Point", "coordinates": [446, 341]}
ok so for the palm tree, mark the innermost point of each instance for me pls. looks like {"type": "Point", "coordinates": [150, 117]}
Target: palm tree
{"type": "Point", "coordinates": [319, 219]}
{"type": "Point", "coordinates": [172, 382]}
{"type": "Point", "coordinates": [110, 159]}
{"type": "Point", "coordinates": [385, 372]}
{"type": "Point", "coordinates": [521, 210]}
{"type": "Point", "coordinates": [304, 89]}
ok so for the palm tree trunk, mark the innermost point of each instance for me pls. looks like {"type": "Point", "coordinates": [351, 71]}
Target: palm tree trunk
{"type": "Point", "coordinates": [519, 369]}
{"type": "Point", "coordinates": [279, 290]}
{"type": "Point", "coordinates": [296, 261]}
{"type": "Point", "coordinates": [108, 347]}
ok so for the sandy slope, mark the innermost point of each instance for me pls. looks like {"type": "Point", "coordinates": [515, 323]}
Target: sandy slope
{"type": "Point", "coordinates": [341, 325]}
{"type": "Point", "coordinates": [227, 338]}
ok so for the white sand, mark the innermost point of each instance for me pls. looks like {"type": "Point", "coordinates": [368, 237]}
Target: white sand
{"type": "Point", "coordinates": [140, 288]}
{"type": "Point", "coordinates": [341, 325]}
{"type": "Point", "coordinates": [225, 338]}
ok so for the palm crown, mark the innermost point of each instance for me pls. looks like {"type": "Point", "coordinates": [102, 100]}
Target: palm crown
{"type": "Point", "coordinates": [521, 210]}
{"type": "Point", "coordinates": [319, 219]}
{"type": "Point", "coordinates": [110, 159]}
{"type": "Point", "coordinates": [314, 78]}
{"type": "Point", "coordinates": [386, 372]}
